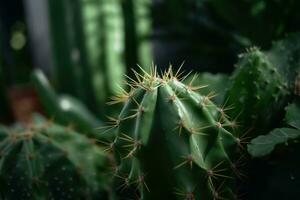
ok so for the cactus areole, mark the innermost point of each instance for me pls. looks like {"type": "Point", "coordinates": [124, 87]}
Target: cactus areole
{"type": "Point", "coordinates": [172, 143]}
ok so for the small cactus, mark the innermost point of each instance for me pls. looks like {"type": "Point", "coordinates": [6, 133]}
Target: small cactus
{"type": "Point", "coordinates": [263, 83]}
{"type": "Point", "coordinates": [258, 90]}
{"type": "Point", "coordinates": [48, 161]}
{"type": "Point", "coordinates": [172, 143]}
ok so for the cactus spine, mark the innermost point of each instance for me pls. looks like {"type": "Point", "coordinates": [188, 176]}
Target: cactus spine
{"type": "Point", "coordinates": [48, 161]}
{"type": "Point", "coordinates": [172, 143]}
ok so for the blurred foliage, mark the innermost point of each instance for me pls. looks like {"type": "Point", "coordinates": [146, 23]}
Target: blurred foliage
{"type": "Point", "coordinates": [64, 109]}
{"type": "Point", "coordinates": [262, 21]}
{"type": "Point", "coordinates": [5, 111]}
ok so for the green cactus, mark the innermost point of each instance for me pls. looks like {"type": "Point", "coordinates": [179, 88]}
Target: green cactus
{"type": "Point", "coordinates": [258, 91]}
{"type": "Point", "coordinates": [172, 142]}
{"type": "Point", "coordinates": [263, 83]}
{"type": "Point", "coordinates": [138, 30]}
{"type": "Point", "coordinates": [48, 161]}
{"type": "Point", "coordinates": [104, 39]}
{"type": "Point", "coordinates": [64, 109]}
{"type": "Point", "coordinates": [88, 42]}
{"type": "Point", "coordinates": [284, 55]}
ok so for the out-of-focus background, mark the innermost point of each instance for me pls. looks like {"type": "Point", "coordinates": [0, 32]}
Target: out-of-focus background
{"type": "Point", "coordinates": [65, 59]}
{"type": "Point", "coordinates": [81, 44]}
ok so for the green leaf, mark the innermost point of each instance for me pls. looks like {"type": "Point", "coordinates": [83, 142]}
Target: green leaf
{"type": "Point", "coordinates": [265, 144]}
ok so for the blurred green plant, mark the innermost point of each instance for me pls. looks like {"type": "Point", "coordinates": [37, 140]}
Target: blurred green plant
{"type": "Point", "coordinates": [64, 109]}
{"type": "Point", "coordinates": [137, 16]}
{"type": "Point", "coordinates": [48, 161]}
{"type": "Point", "coordinates": [263, 83]}
{"type": "Point", "coordinates": [262, 21]}
{"type": "Point", "coordinates": [265, 144]}
{"type": "Point", "coordinates": [88, 48]}
{"type": "Point", "coordinates": [5, 110]}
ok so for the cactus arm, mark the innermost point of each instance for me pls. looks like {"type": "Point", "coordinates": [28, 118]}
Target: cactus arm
{"type": "Point", "coordinates": [65, 109]}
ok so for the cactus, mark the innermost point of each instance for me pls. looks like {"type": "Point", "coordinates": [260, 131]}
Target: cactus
{"type": "Point", "coordinates": [88, 49]}
{"type": "Point", "coordinates": [172, 142]}
{"type": "Point", "coordinates": [258, 91]}
{"type": "Point", "coordinates": [104, 34]}
{"type": "Point", "coordinates": [138, 30]}
{"type": "Point", "coordinates": [284, 55]}
{"type": "Point", "coordinates": [263, 83]}
{"type": "Point", "coordinates": [64, 109]}
{"type": "Point", "coordinates": [68, 53]}
{"type": "Point", "coordinates": [48, 161]}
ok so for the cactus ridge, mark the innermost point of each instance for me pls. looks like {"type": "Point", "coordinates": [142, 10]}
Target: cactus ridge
{"type": "Point", "coordinates": [48, 161]}
{"type": "Point", "coordinates": [172, 142]}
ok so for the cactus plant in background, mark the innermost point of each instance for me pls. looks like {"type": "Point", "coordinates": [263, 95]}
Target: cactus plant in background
{"type": "Point", "coordinates": [88, 49]}
{"type": "Point", "coordinates": [263, 83]}
{"type": "Point", "coordinates": [172, 142]}
{"type": "Point", "coordinates": [104, 41]}
{"type": "Point", "coordinates": [48, 161]}
{"type": "Point", "coordinates": [137, 17]}
{"type": "Point", "coordinates": [64, 109]}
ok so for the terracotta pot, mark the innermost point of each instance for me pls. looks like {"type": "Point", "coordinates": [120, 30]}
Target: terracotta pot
{"type": "Point", "coordinates": [24, 103]}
